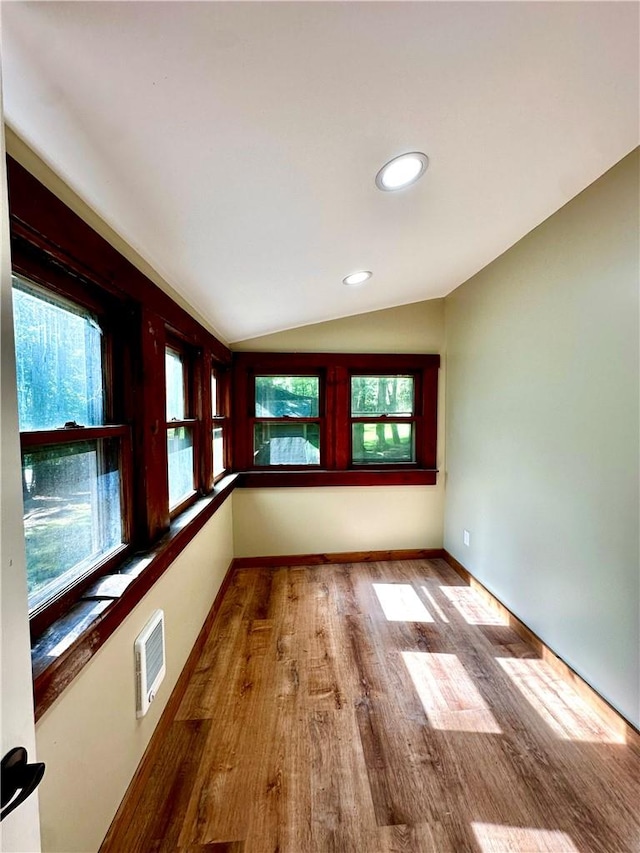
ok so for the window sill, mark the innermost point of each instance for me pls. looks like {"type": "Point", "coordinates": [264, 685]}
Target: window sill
{"type": "Point", "coordinates": [67, 645]}
{"type": "Point", "coordinates": [355, 477]}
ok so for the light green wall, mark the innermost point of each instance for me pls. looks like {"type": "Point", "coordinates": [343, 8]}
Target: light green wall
{"type": "Point", "coordinates": [543, 432]}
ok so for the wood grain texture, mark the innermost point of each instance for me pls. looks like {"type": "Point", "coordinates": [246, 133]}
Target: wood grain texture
{"type": "Point", "coordinates": [377, 707]}
{"type": "Point", "coordinates": [529, 640]}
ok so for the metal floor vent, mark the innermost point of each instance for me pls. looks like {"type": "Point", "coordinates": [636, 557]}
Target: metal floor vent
{"type": "Point", "coordinates": [150, 662]}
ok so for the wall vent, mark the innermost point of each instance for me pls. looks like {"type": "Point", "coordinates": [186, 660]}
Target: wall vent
{"type": "Point", "coordinates": [150, 662]}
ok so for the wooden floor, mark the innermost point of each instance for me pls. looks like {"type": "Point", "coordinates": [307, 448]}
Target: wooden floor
{"type": "Point", "coordinates": [377, 707]}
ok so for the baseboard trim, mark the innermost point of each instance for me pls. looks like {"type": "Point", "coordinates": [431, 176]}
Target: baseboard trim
{"type": "Point", "coordinates": [588, 693]}
{"type": "Point", "coordinates": [338, 557]}
{"type": "Point", "coordinates": [171, 708]}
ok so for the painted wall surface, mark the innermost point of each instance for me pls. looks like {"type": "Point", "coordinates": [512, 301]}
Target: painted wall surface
{"type": "Point", "coordinates": [90, 738]}
{"type": "Point", "coordinates": [416, 328]}
{"type": "Point", "coordinates": [349, 518]}
{"type": "Point", "coordinates": [332, 519]}
{"type": "Point", "coordinates": [543, 432]}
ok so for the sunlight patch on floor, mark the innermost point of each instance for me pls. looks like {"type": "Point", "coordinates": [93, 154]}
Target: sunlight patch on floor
{"type": "Point", "coordinates": [559, 706]}
{"type": "Point", "coordinates": [495, 838]}
{"type": "Point", "coordinates": [449, 697]}
{"type": "Point", "coordinates": [471, 607]}
{"type": "Point", "coordinates": [400, 603]}
{"type": "Point", "coordinates": [433, 603]}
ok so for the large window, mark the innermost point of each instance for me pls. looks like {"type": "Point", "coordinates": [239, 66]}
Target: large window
{"type": "Point", "coordinates": [341, 418]}
{"type": "Point", "coordinates": [72, 459]}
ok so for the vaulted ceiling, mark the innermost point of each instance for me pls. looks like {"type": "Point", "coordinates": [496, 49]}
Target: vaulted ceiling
{"type": "Point", "coordinates": [235, 145]}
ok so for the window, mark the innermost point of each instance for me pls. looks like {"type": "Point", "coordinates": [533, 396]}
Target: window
{"type": "Point", "coordinates": [220, 418]}
{"type": "Point", "coordinates": [382, 420]}
{"type": "Point", "coordinates": [286, 427]}
{"type": "Point", "coordinates": [113, 380]}
{"type": "Point", "coordinates": [180, 429]}
{"type": "Point", "coordinates": [342, 418]}
{"type": "Point", "coordinates": [75, 512]}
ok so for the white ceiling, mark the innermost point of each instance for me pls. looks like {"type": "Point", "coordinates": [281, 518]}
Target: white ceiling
{"type": "Point", "coordinates": [235, 145]}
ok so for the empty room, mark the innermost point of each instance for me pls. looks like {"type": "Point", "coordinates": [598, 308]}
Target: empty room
{"type": "Point", "coordinates": [320, 413]}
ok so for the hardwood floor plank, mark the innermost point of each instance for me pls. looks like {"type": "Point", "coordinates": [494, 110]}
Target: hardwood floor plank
{"type": "Point", "coordinates": [221, 653]}
{"type": "Point", "coordinates": [423, 838]}
{"type": "Point", "coordinates": [281, 817]}
{"type": "Point", "coordinates": [378, 708]}
{"type": "Point", "coordinates": [158, 801]}
{"type": "Point", "coordinates": [343, 819]}
{"type": "Point", "coordinates": [224, 788]}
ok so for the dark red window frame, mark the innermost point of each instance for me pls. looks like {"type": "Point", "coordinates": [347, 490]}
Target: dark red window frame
{"type": "Point", "coordinates": [52, 247]}
{"type": "Point", "coordinates": [335, 371]}
{"type": "Point", "coordinates": [192, 419]}
{"type": "Point", "coordinates": [38, 268]}
{"type": "Point", "coordinates": [217, 415]}
{"type": "Point", "coordinates": [321, 418]}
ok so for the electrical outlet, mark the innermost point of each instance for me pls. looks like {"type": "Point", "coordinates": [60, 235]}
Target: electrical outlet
{"type": "Point", "coordinates": [466, 537]}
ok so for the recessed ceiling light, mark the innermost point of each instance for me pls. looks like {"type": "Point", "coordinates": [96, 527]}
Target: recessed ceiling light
{"type": "Point", "coordinates": [357, 277]}
{"type": "Point", "coordinates": [402, 171]}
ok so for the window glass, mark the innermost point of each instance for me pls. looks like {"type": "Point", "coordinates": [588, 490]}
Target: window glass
{"type": "Point", "coordinates": [287, 396]}
{"type": "Point", "coordinates": [214, 395]}
{"type": "Point", "coordinates": [72, 512]}
{"type": "Point", "coordinates": [286, 444]}
{"type": "Point", "coordinates": [180, 453]}
{"type": "Point", "coordinates": [381, 395]}
{"type": "Point", "coordinates": [58, 361]}
{"type": "Point", "coordinates": [218, 452]}
{"type": "Point", "coordinates": [175, 385]}
{"type": "Point", "coordinates": [218, 435]}
{"type": "Point", "coordinates": [382, 443]}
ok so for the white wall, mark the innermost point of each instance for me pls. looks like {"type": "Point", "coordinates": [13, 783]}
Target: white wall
{"type": "Point", "coordinates": [331, 519]}
{"type": "Point", "coordinates": [349, 518]}
{"type": "Point", "coordinates": [90, 738]}
{"type": "Point", "coordinates": [415, 328]}
{"type": "Point", "coordinates": [543, 432]}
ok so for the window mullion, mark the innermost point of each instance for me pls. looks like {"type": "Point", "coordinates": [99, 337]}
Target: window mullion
{"type": "Point", "coordinates": [152, 484]}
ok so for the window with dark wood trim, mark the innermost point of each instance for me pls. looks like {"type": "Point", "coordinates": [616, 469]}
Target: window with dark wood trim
{"type": "Point", "coordinates": [287, 420]}
{"type": "Point", "coordinates": [376, 418]}
{"type": "Point", "coordinates": [79, 464]}
{"type": "Point", "coordinates": [383, 417]}
{"type": "Point", "coordinates": [219, 429]}
{"type": "Point", "coordinates": [183, 464]}
{"type": "Point", "coordinates": [76, 450]}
